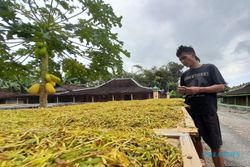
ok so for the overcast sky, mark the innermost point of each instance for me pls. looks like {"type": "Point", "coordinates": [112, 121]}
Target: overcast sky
{"type": "Point", "coordinates": [219, 31]}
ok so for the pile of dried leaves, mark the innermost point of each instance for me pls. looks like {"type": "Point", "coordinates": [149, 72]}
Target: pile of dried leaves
{"type": "Point", "coordinates": [117, 133]}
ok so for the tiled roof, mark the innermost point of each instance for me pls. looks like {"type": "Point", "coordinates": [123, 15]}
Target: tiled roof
{"type": "Point", "coordinates": [114, 86]}
{"type": "Point", "coordinates": [241, 91]}
{"type": "Point", "coordinates": [123, 85]}
{"type": "Point", "coordinates": [69, 87]}
{"type": "Point", "coordinates": [7, 94]}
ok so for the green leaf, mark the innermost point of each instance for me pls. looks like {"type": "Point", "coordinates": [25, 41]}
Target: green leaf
{"type": "Point", "coordinates": [70, 29]}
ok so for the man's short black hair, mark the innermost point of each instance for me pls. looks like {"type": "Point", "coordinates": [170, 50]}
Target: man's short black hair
{"type": "Point", "coordinates": [186, 49]}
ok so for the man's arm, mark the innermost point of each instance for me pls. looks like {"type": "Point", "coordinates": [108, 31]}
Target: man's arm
{"type": "Point", "coordinates": [208, 89]}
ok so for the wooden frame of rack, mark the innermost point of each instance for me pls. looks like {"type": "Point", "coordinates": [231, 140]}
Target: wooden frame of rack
{"type": "Point", "coordinates": [189, 154]}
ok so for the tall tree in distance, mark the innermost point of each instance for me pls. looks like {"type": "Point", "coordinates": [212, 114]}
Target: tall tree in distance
{"type": "Point", "coordinates": [38, 32]}
{"type": "Point", "coordinates": [75, 72]}
{"type": "Point", "coordinates": [165, 77]}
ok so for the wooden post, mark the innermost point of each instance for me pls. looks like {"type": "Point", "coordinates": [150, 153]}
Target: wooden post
{"type": "Point", "coordinates": [57, 100]}
{"type": "Point", "coordinates": [189, 154]}
{"type": "Point", "coordinates": [247, 100]}
{"type": "Point", "coordinates": [131, 96]}
{"type": "Point", "coordinates": [93, 100]}
{"type": "Point", "coordinates": [155, 94]}
{"type": "Point", "coordinates": [113, 98]}
{"type": "Point", "coordinates": [74, 99]}
{"type": "Point", "coordinates": [188, 121]}
{"type": "Point", "coordinates": [175, 132]}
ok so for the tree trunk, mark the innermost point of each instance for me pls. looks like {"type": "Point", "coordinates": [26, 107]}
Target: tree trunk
{"type": "Point", "coordinates": [44, 70]}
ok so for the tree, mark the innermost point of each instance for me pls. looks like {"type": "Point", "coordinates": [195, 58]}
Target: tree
{"type": "Point", "coordinates": [61, 29]}
{"type": "Point", "coordinates": [17, 82]}
{"type": "Point", "coordinates": [227, 88]}
{"type": "Point", "coordinates": [171, 74]}
{"type": "Point", "coordinates": [165, 77]}
{"type": "Point", "coordinates": [75, 72]}
{"type": "Point", "coordinates": [175, 71]}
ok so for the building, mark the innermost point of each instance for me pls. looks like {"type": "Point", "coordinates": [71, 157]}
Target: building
{"type": "Point", "coordinates": [7, 97]}
{"type": "Point", "coordinates": [115, 89]}
{"type": "Point", "coordinates": [240, 96]}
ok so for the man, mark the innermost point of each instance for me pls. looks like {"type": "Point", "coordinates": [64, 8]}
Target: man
{"type": "Point", "coordinates": [200, 84]}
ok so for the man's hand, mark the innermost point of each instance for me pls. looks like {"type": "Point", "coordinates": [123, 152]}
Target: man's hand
{"type": "Point", "coordinates": [193, 90]}
{"type": "Point", "coordinates": [183, 90]}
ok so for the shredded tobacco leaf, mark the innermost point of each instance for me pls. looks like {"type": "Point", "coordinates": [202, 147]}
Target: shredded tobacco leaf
{"type": "Point", "coordinates": [117, 133]}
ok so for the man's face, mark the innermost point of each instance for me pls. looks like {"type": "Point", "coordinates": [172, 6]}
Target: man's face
{"type": "Point", "coordinates": [187, 59]}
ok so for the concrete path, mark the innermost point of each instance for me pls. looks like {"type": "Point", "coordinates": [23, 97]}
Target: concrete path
{"type": "Point", "coordinates": [235, 128]}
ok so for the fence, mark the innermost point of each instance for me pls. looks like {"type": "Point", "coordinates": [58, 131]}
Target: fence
{"type": "Point", "coordinates": [235, 107]}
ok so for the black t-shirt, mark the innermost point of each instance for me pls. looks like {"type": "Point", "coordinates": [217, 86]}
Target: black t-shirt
{"type": "Point", "coordinates": [206, 75]}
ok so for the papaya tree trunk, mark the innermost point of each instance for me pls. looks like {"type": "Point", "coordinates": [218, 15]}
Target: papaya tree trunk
{"type": "Point", "coordinates": [43, 100]}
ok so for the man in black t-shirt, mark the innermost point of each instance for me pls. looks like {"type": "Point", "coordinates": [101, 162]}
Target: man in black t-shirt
{"type": "Point", "coordinates": [200, 84]}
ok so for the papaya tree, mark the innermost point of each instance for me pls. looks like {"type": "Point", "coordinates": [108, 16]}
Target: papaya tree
{"type": "Point", "coordinates": [41, 31]}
